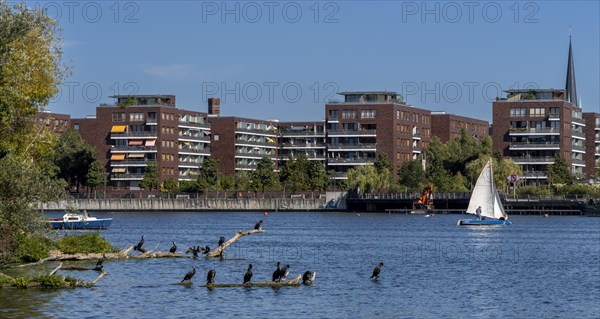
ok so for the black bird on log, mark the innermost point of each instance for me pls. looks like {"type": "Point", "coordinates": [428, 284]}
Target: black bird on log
{"type": "Point", "coordinates": [276, 273]}
{"type": "Point", "coordinates": [139, 245]}
{"type": "Point", "coordinates": [221, 241]}
{"type": "Point", "coordinates": [189, 275]}
{"type": "Point", "coordinates": [307, 277]}
{"type": "Point", "coordinates": [99, 265]}
{"type": "Point", "coordinates": [210, 278]}
{"type": "Point", "coordinates": [174, 248]}
{"type": "Point", "coordinates": [284, 272]}
{"type": "Point", "coordinates": [204, 250]}
{"type": "Point", "coordinates": [193, 250]}
{"type": "Point", "coordinates": [376, 272]}
{"type": "Point", "coordinates": [257, 226]}
{"type": "Point", "coordinates": [248, 275]}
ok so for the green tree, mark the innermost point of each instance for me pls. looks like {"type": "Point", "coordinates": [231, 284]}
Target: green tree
{"type": "Point", "coordinates": [410, 175]}
{"type": "Point", "coordinates": [209, 174]}
{"type": "Point", "coordinates": [241, 180]}
{"type": "Point", "coordinates": [263, 176]}
{"type": "Point", "coordinates": [362, 179]}
{"type": "Point", "coordinates": [169, 186]}
{"type": "Point", "coordinates": [95, 176]}
{"type": "Point", "coordinates": [150, 180]}
{"type": "Point", "coordinates": [73, 158]}
{"type": "Point", "coordinates": [294, 174]}
{"type": "Point", "coordinates": [319, 177]}
{"type": "Point", "coordinates": [558, 173]}
{"type": "Point", "coordinates": [385, 172]}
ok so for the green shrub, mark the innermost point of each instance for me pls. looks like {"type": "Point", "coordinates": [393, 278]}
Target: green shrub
{"type": "Point", "coordinates": [577, 189]}
{"type": "Point", "coordinates": [32, 248]}
{"type": "Point", "coordinates": [21, 282]}
{"type": "Point", "coordinates": [533, 190]}
{"type": "Point", "coordinates": [6, 281]}
{"type": "Point", "coordinates": [84, 243]}
{"type": "Point", "coordinates": [49, 281]}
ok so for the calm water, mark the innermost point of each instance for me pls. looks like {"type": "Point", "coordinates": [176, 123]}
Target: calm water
{"type": "Point", "coordinates": [536, 268]}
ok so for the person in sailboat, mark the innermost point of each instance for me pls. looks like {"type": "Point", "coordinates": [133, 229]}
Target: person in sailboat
{"type": "Point", "coordinates": [478, 212]}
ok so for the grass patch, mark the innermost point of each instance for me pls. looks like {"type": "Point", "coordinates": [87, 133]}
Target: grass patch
{"type": "Point", "coordinates": [32, 248]}
{"type": "Point", "coordinates": [84, 243]}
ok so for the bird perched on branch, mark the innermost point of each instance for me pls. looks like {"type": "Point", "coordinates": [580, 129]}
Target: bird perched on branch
{"type": "Point", "coordinates": [99, 263]}
{"type": "Point", "coordinates": [189, 275]}
{"type": "Point", "coordinates": [284, 272]}
{"type": "Point", "coordinates": [205, 250]}
{"type": "Point", "coordinates": [258, 225]}
{"type": "Point", "coordinates": [307, 278]}
{"type": "Point", "coordinates": [248, 275]}
{"type": "Point", "coordinates": [139, 244]}
{"type": "Point", "coordinates": [276, 275]}
{"type": "Point", "coordinates": [173, 248]}
{"type": "Point", "coordinates": [221, 241]}
{"type": "Point", "coordinates": [376, 272]}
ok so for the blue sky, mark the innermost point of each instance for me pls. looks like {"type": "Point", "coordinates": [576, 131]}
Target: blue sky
{"type": "Point", "coordinates": [284, 60]}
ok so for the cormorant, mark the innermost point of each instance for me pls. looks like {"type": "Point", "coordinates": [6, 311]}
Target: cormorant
{"type": "Point", "coordinates": [173, 249]}
{"type": "Point", "coordinates": [307, 277]}
{"type": "Point", "coordinates": [257, 226]}
{"type": "Point", "coordinates": [276, 275]}
{"type": "Point", "coordinates": [139, 245]}
{"type": "Point", "coordinates": [205, 251]}
{"type": "Point", "coordinates": [189, 275]}
{"type": "Point", "coordinates": [221, 241]}
{"type": "Point", "coordinates": [248, 275]}
{"type": "Point", "coordinates": [284, 272]}
{"type": "Point", "coordinates": [376, 272]}
{"type": "Point", "coordinates": [210, 278]}
{"type": "Point", "coordinates": [99, 263]}
{"type": "Point", "coordinates": [193, 250]}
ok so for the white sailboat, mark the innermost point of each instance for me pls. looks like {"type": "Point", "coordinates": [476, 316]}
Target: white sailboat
{"type": "Point", "coordinates": [485, 201]}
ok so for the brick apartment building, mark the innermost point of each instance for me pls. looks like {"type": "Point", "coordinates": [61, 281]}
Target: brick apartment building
{"type": "Point", "coordinates": [447, 127]}
{"type": "Point", "coordinates": [592, 138]}
{"type": "Point", "coordinates": [56, 122]}
{"type": "Point", "coordinates": [532, 126]}
{"type": "Point", "coordinates": [367, 124]}
{"type": "Point", "coordinates": [306, 138]}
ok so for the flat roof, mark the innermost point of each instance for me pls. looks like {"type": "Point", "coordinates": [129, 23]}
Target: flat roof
{"type": "Point", "coordinates": [369, 92]}
{"type": "Point", "coordinates": [141, 96]}
{"type": "Point", "coordinates": [534, 90]}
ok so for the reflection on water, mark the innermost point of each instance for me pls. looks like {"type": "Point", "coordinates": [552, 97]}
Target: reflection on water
{"type": "Point", "coordinates": [537, 267]}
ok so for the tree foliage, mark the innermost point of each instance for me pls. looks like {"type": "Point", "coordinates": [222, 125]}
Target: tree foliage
{"type": "Point", "coordinates": [294, 175]}
{"type": "Point", "coordinates": [410, 175]}
{"type": "Point", "coordinates": [150, 180]}
{"type": "Point", "coordinates": [209, 175]}
{"type": "Point", "coordinates": [558, 173]}
{"type": "Point", "coordinates": [263, 177]}
{"type": "Point", "coordinates": [74, 158]}
{"type": "Point", "coordinates": [95, 175]}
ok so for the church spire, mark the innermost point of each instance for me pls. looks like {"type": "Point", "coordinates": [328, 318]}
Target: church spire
{"type": "Point", "coordinates": [570, 87]}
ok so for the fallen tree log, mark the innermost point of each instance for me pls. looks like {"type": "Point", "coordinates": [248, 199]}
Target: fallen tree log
{"type": "Point", "coordinates": [293, 282]}
{"type": "Point", "coordinates": [56, 255]}
{"type": "Point", "coordinates": [51, 280]}
{"type": "Point", "coordinates": [217, 251]}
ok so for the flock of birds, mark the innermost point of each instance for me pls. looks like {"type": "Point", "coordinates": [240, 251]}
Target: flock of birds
{"type": "Point", "coordinates": [279, 274]}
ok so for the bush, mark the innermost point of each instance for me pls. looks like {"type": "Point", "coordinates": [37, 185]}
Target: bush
{"type": "Point", "coordinates": [533, 190]}
{"type": "Point", "coordinates": [84, 243]}
{"type": "Point", "coordinates": [49, 281]}
{"type": "Point", "coordinates": [577, 189]}
{"type": "Point", "coordinates": [32, 248]}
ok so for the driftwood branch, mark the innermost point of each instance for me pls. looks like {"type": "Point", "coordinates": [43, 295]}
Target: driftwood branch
{"type": "Point", "coordinates": [59, 256]}
{"type": "Point", "coordinates": [293, 282]}
{"type": "Point", "coordinates": [217, 251]}
{"type": "Point", "coordinates": [56, 269]}
{"type": "Point", "coordinates": [96, 280]}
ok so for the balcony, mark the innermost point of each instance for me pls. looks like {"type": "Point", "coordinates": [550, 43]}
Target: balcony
{"type": "Point", "coordinates": [534, 175]}
{"type": "Point", "coordinates": [194, 151]}
{"type": "Point", "coordinates": [239, 142]}
{"type": "Point", "coordinates": [194, 125]}
{"type": "Point", "coordinates": [254, 155]}
{"type": "Point", "coordinates": [578, 134]}
{"type": "Point", "coordinates": [310, 157]}
{"type": "Point", "coordinates": [533, 146]}
{"type": "Point", "coordinates": [579, 148]}
{"type": "Point", "coordinates": [265, 132]}
{"type": "Point", "coordinates": [194, 138]}
{"type": "Point", "coordinates": [131, 162]}
{"type": "Point", "coordinates": [245, 167]}
{"type": "Point", "coordinates": [189, 164]}
{"type": "Point", "coordinates": [416, 149]}
{"type": "Point", "coordinates": [339, 175]}
{"type": "Point", "coordinates": [126, 177]}
{"type": "Point", "coordinates": [578, 162]}
{"type": "Point", "coordinates": [353, 147]}
{"type": "Point", "coordinates": [302, 145]}
{"type": "Point", "coordinates": [554, 117]}
{"type": "Point", "coordinates": [302, 133]}
{"type": "Point", "coordinates": [534, 160]}
{"type": "Point", "coordinates": [533, 131]}
{"type": "Point", "coordinates": [416, 136]}
{"type": "Point", "coordinates": [133, 149]}
{"type": "Point", "coordinates": [351, 161]}
{"type": "Point", "coordinates": [128, 135]}
{"type": "Point", "coordinates": [342, 133]}
{"type": "Point", "coordinates": [151, 121]}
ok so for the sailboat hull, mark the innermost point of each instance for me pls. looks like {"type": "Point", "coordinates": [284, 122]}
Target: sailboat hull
{"type": "Point", "coordinates": [483, 222]}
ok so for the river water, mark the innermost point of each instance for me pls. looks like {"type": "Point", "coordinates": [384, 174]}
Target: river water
{"type": "Point", "coordinates": [536, 268]}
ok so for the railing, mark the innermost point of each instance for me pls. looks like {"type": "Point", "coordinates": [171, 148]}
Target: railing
{"type": "Point", "coordinates": [201, 138]}
{"type": "Point", "coordinates": [578, 147]}
{"type": "Point", "coordinates": [133, 149]}
{"type": "Point", "coordinates": [268, 132]}
{"type": "Point", "coordinates": [553, 117]}
{"type": "Point", "coordinates": [350, 160]}
{"type": "Point", "coordinates": [534, 159]}
{"type": "Point", "coordinates": [333, 147]}
{"type": "Point", "coordinates": [303, 145]}
{"type": "Point", "coordinates": [534, 131]}
{"type": "Point", "coordinates": [301, 133]}
{"type": "Point", "coordinates": [245, 166]}
{"type": "Point", "coordinates": [533, 145]}
{"type": "Point", "coordinates": [285, 157]}
{"type": "Point", "coordinates": [256, 155]}
{"type": "Point", "coordinates": [238, 141]}
{"type": "Point", "coordinates": [151, 121]}
{"type": "Point", "coordinates": [132, 162]}
{"type": "Point", "coordinates": [352, 132]}
{"type": "Point", "coordinates": [115, 177]}
{"type": "Point", "coordinates": [195, 124]}
{"type": "Point", "coordinates": [133, 134]}
{"type": "Point", "coordinates": [338, 175]}
{"type": "Point", "coordinates": [205, 150]}
{"type": "Point", "coordinates": [577, 161]}
{"type": "Point", "coordinates": [578, 134]}
{"type": "Point", "coordinates": [416, 149]}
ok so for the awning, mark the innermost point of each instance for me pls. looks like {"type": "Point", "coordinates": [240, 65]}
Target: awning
{"type": "Point", "coordinates": [135, 155]}
{"type": "Point", "coordinates": [150, 142]}
{"type": "Point", "coordinates": [117, 157]}
{"type": "Point", "coordinates": [118, 129]}
{"type": "Point", "coordinates": [119, 170]}
{"type": "Point", "coordinates": [186, 143]}
{"type": "Point", "coordinates": [136, 142]}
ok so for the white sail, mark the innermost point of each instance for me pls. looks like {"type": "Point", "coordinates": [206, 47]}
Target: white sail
{"type": "Point", "coordinates": [485, 195]}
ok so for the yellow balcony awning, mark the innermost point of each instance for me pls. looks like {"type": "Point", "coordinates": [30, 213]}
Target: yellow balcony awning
{"type": "Point", "coordinates": [118, 129]}
{"type": "Point", "coordinates": [135, 155]}
{"type": "Point", "coordinates": [136, 142]}
{"type": "Point", "coordinates": [118, 170]}
{"type": "Point", "coordinates": [150, 142]}
{"type": "Point", "coordinates": [117, 157]}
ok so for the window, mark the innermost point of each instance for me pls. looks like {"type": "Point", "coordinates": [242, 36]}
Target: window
{"type": "Point", "coordinates": [118, 117]}
{"type": "Point", "coordinates": [518, 112]}
{"type": "Point", "coordinates": [350, 114]}
{"type": "Point", "coordinates": [537, 112]}
{"type": "Point", "coordinates": [136, 116]}
{"type": "Point", "coordinates": [76, 126]}
{"type": "Point", "coordinates": [216, 137]}
{"type": "Point", "coordinates": [368, 114]}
